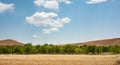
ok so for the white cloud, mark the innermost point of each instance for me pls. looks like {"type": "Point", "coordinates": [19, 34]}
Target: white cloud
{"type": "Point", "coordinates": [50, 4]}
{"type": "Point", "coordinates": [35, 36]}
{"type": "Point", "coordinates": [50, 21]}
{"type": "Point", "coordinates": [50, 30]}
{"type": "Point", "coordinates": [95, 1]}
{"type": "Point", "coordinates": [6, 7]}
{"type": "Point", "coordinates": [65, 1]}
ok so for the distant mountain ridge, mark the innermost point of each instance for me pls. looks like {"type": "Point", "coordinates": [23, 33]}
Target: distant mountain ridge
{"type": "Point", "coordinates": [10, 42]}
{"type": "Point", "coordinates": [105, 42]}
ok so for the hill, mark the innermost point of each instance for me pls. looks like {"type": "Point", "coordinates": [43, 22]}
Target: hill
{"type": "Point", "coordinates": [105, 42]}
{"type": "Point", "coordinates": [10, 42]}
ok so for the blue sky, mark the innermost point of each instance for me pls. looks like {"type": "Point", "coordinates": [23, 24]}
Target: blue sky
{"type": "Point", "coordinates": [59, 21]}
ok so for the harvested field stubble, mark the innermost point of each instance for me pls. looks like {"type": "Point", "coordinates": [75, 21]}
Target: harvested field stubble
{"type": "Point", "coordinates": [58, 59]}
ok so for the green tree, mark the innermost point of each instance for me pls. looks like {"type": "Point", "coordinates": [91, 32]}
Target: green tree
{"type": "Point", "coordinates": [78, 51]}
{"type": "Point", "coordinates": [18, 50]}
{"type": "Point", "coordinates": [28, 49]}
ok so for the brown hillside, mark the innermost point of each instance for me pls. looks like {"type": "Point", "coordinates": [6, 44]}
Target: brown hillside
{"type": "Point", "coordinates": [105, 42]}
{"type": "Point", "coordinates": [10, 42]}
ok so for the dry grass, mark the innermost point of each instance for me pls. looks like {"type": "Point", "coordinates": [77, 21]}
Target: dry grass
{"type": "Point", "coordinates": [58, 59]}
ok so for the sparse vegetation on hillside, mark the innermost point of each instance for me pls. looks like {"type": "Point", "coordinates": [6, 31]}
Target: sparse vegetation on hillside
{"type": "Point", "coordinates": [105, 42]}
{"type": "Point", "coordinates": [10, 42]}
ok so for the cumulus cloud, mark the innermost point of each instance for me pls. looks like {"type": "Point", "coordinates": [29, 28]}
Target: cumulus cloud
{"type": "Point", "coordinates": [50, 21]}
{"type": "Point", "coordinates": [50, 4]}
{"type": "Point", "coordinates": [95, 1]}
{"type": "Point", "coordinates": [6, 7]}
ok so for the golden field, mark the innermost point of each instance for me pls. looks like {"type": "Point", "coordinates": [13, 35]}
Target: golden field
{"type": "Point", "coordinates": [59, 59]}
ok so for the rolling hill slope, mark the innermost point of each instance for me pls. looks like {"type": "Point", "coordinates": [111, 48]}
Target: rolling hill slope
{"type": "Point", "coordinates": [10, 42]}
{"type": "Point", "coordinates": [105, 42]}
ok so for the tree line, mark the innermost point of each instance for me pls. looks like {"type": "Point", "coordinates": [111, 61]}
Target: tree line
{"type": "Point", "coordinates": [55, 49]}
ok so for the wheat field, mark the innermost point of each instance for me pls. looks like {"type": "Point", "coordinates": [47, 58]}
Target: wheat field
{"type": "Point", "coordinates": [58, 59]}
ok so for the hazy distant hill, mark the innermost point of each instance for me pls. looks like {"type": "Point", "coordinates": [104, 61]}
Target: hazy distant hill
{"type": "Point", "coordinates": [105, 42]}
{"type": "Point", "coordinates": [10, 42]}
